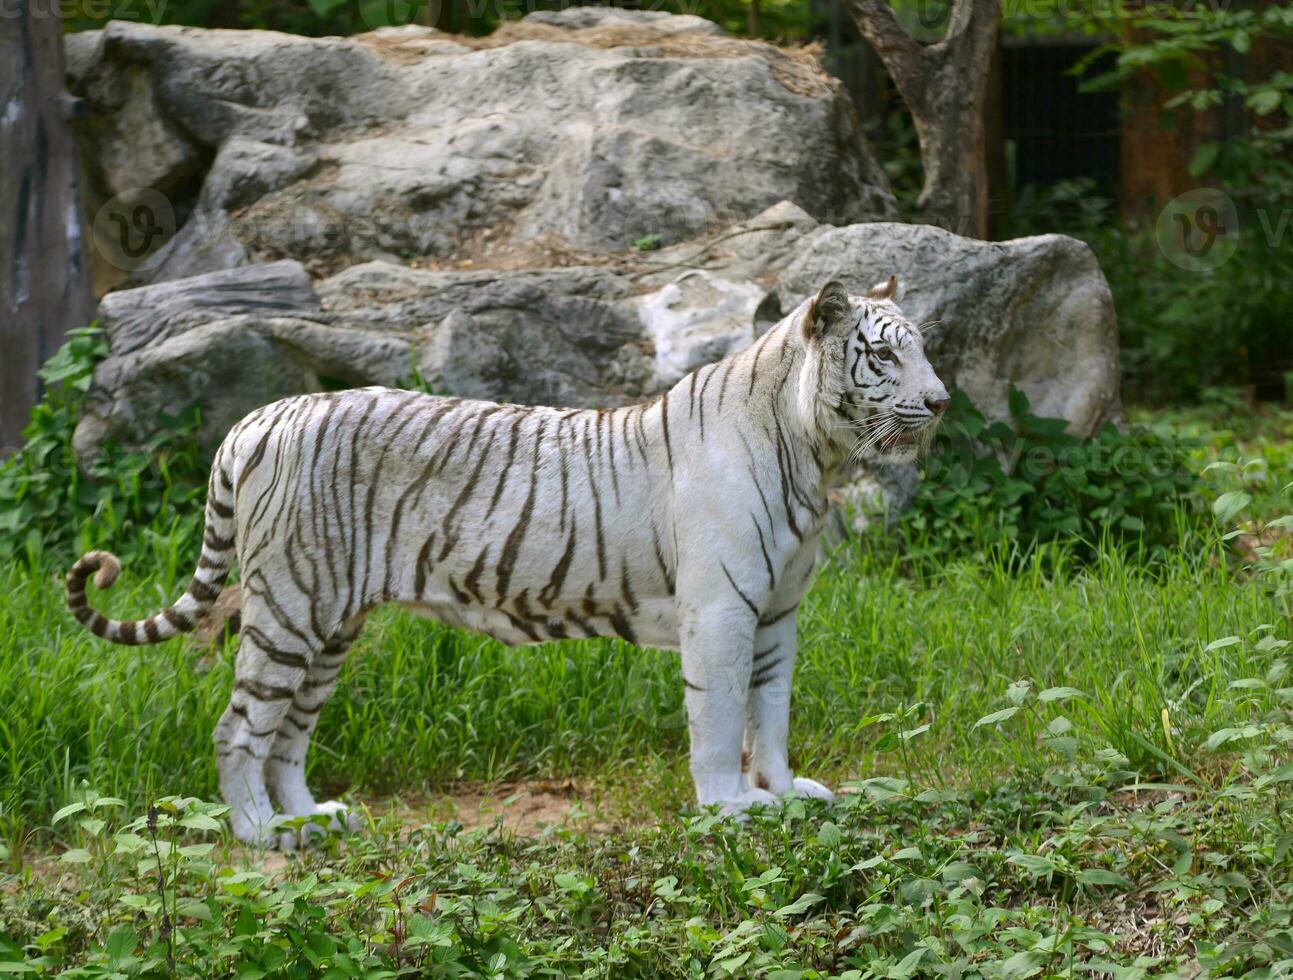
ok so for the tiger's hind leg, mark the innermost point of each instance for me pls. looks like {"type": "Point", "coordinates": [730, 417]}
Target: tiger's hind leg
{"type": "Point", "coordinates": [273, 660]}
{"type": "Point", "coordinates": [285, 768]}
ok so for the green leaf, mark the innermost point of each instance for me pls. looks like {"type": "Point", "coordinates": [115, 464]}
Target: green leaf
{"type": "Point", "coordinates": [129, 843]}
{"type": "Point", "coordinates": [1229, 504]}
{"type": "Point", "coordinates": [121, 943]}
{"type": "Point", "coordinates": [1103, 877]}
{"type": "Point", "coordinates": [828, 834]}
{"type": "Point", "coordinates": [1225, 736]}
{"type": "Point", "coordinates": [67, 811]}
{"type": "Point", "coordinates": [200, 821]}
{"type": "Point", "coordinates": [1059, 694]}
{"type": "Point", "coordinates": [1022, 965]}
{"type": "Point", "coordinates": [47, 939]}
{"type": "Point", "coordinates": [194, 908]}
{"type": "Point", "coordinates": [1034, 864]}
{"type": "Point", "coordinates": [1265, 101]}
{"type": "Point", "coordinates": [1283, 774]}
{"type": "Point", "coordinates": [802, 904]}
{"type": "Point", "coordinates": [78, 855]}
{"type": "Point", "coordinates": [960, 871]}
{"type": "Point", "coordinates": [1221, 644]}
{"type": "Point", "coordinates": [907, 965]}
{"type": "Point", "coordinates": [325, 7]}
{"type": "Point", "coordinates": [1205, 158]}
{"type": "Point", "coordinates": [996, 717]}
{"type": "Point", "coordinates": [1017, 402]}
{"type": "Point", "coordinates": [1017, 693]}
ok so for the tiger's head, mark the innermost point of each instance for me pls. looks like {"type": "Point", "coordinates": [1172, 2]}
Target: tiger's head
{"type": "Point", "coordinates": [875, 393]}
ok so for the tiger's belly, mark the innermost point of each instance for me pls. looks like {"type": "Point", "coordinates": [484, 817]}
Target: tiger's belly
{"type": "Point", "coordinates": [653, 624]}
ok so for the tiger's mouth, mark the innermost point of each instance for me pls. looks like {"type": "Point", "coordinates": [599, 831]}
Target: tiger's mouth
{"type": "Point", "coordinates": [887, 437]}
{"type": "Point", "coordinates": [901, 439]}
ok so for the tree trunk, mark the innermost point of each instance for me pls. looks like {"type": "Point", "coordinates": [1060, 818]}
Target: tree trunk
{"type": "Point", "coordinates": [945, 86]}
{"type": "Point", "coordinates": [44, 284]}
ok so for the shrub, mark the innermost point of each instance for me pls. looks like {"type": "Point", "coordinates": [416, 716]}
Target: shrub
{"type": "Point", "coordinates": [124, 500]}
{"type": "Point", "coordinates": [1029, 481]}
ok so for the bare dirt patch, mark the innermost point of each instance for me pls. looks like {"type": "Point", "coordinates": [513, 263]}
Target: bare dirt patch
{"type": "Point", "coordinates": [524, 808]}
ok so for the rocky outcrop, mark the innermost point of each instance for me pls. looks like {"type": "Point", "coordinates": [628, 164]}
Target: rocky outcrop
{"type": "Point", "coordinates": [1033, 313]}
{"type": "Point", "coordinates": [578, 209]}
{"type": "Point", "coordinates": [582, 130]}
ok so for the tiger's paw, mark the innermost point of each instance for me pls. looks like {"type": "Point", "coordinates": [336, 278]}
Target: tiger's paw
{"type": "Point", "coordinates": [291, 832]}
{"type": "Point", "coordinates": [341, 816]}
{"type": "Point", "coordinates": [737, 806]}
{"type": "Point", "coordinates": [812, 789]}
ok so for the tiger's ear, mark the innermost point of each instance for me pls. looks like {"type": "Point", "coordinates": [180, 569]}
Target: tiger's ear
{"type": "Point", "coordinates": [830, 306]}
{"type": "Point", "coordinates": [890, 289]}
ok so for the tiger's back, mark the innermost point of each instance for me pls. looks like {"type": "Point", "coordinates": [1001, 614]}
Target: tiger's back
{"type": "Point", "coordinates": [525, 523]}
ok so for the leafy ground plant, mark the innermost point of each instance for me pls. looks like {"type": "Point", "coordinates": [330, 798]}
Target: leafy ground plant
{"type": "Point", "coordinates": [51, 508]}
{"type": "Point", "coordinates": [1018, 483]}
{"type": "Point", "coordinates": [1087, 870]}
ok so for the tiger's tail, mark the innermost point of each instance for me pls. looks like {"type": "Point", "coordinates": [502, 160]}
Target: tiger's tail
{"type": "Point", "coordinates": [208, 580]}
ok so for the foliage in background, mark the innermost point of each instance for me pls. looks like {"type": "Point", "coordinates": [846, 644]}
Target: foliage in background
{"type": "Point", "coordinates": [1014, 485]}
{"type": "Point", "coordinates": [892, 136]}
{"type": "Point", "coordinates": [986, 485]}
{"type": "Point", "coordinates": [1182, 333]}
{"type": "Point", "coordinates": [1183, 330]}
{"type": "Point", "coordinates": [783, 20]}
{"type": "Point", "coordinates": [124, 501]}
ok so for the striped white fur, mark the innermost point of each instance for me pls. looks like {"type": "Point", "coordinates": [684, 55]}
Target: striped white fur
{"type": "Point", "coordinates": [689, 522]}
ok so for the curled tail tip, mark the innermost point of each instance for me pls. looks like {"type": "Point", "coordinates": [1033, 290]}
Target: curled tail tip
{"type": "Point", "coordinates": [103, 564]}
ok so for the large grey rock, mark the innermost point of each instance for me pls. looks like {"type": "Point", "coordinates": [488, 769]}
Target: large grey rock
{"type": "Point", "coordinates": [696, 319]}
{"type": "Point", "coordinates": [1034, 313]}
{"type": "Point", "coordinates": [235, 339]}
{"type": "Point", "coordinates": [138, 318]}
{"type": "Point", "coordinates": [584, 129]}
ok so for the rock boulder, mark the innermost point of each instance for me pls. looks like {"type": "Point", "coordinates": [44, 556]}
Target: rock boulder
{"type": "Point", "coordinates": [587, 129]}
{"type": "Point", "coordinates": [1033, 313]}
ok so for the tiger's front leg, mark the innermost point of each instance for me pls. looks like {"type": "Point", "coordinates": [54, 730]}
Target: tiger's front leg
{"type": "Point", "coordinates": [717, 648]}
{"type": "Point", "coordinates": [768, 712]}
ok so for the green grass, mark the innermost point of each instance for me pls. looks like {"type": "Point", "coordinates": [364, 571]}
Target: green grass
{"type": "Point", "coordinates": [423, 705]}
{"type": "Point", "coordinates": [1060, 768]}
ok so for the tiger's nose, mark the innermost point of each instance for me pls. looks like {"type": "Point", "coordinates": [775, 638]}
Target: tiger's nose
{"type": "Point", "coordinates": [938, 405]}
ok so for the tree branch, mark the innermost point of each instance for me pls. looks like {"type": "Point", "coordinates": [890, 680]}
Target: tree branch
{"type": "Point", "coordinates": [901, 53]}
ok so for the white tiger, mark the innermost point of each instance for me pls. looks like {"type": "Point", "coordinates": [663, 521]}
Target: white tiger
{"type": "Point", "coordinates": [689, 522]}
